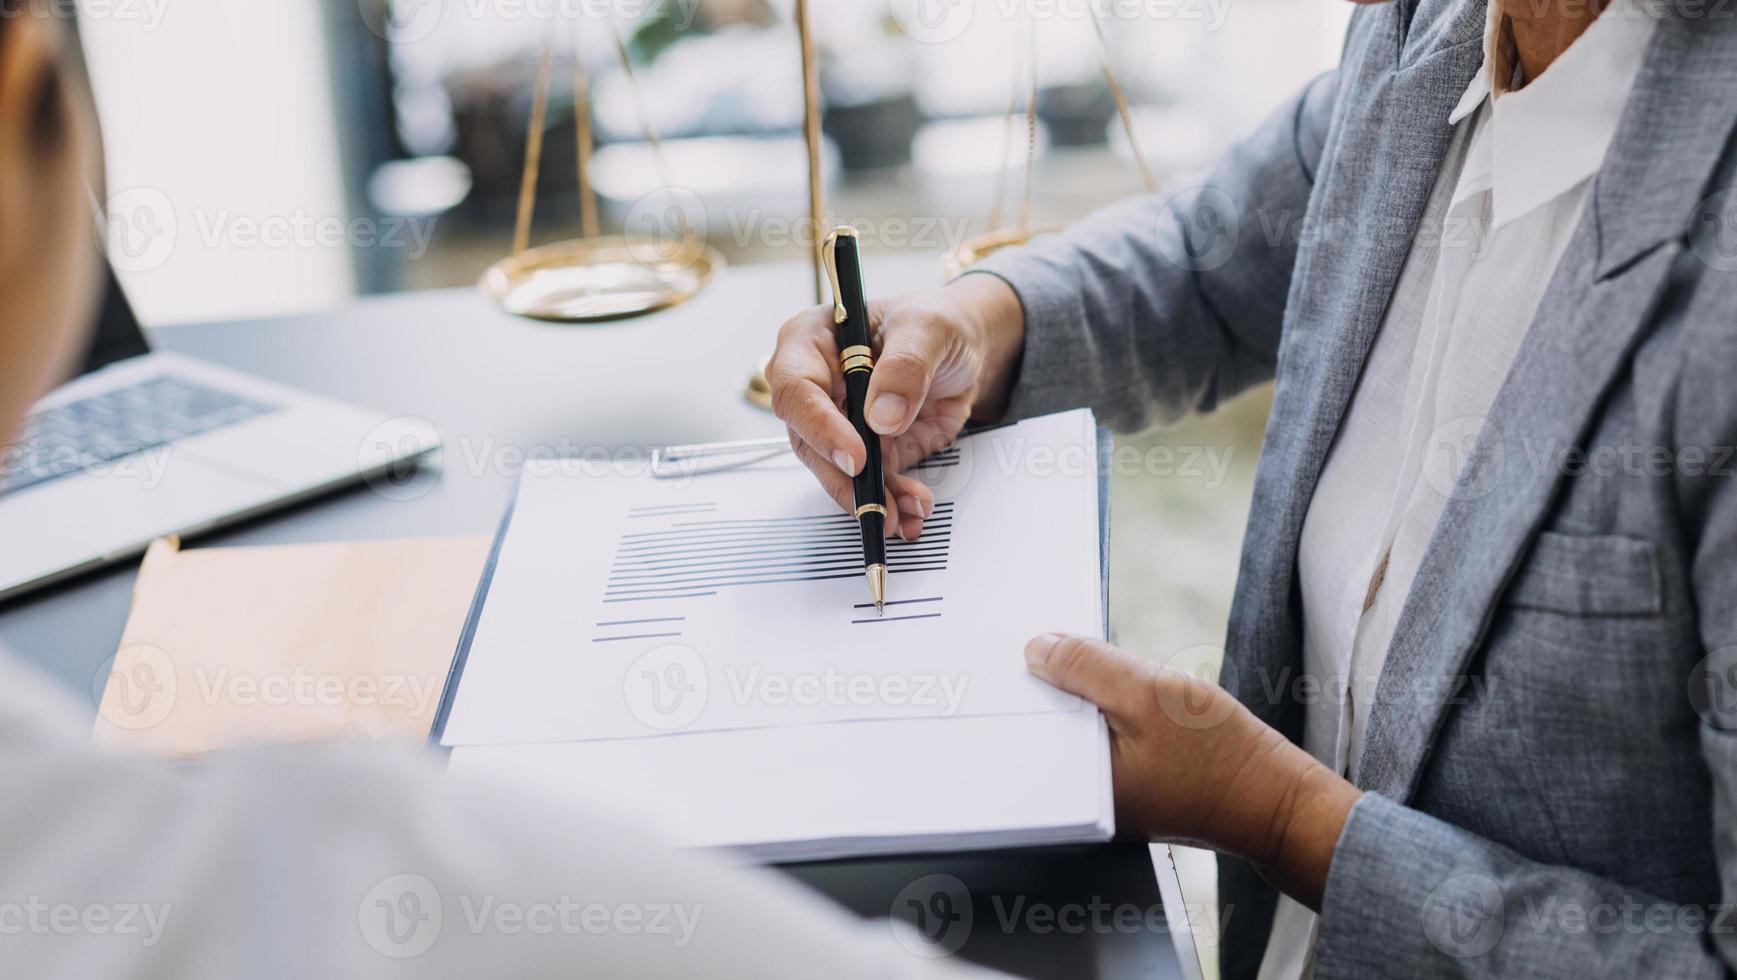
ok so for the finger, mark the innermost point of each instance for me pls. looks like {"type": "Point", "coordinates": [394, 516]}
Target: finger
{"type": "Point", "coordinates": [915, 501]}
{"type": "Point", "coordinates": [1111, 678]}
{"type": "Point", "coordinates": [834, 481]}
{"type": "Point", "coordinates": [803, 379]}
{"type": "Point", "coordinates": [937, 427]}
{"type": "Point", "coordinates": [836, 484]}
{"type": "Point", "coordinates": [911, 346]}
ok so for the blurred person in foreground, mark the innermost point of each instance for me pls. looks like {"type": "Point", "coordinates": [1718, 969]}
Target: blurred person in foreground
{"type": "Point", "coordinates": [352, 861]}
{"type": "Point", "coordinates": [1478, 708]}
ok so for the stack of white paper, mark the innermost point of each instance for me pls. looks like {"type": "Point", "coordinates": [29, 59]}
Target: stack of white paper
{"type": "Point", "coordinates": [699, 652]}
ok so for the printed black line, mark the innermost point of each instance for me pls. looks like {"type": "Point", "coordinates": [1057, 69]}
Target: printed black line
{"type": "Point", "coordinates": [642, 547]}
{"type": "Point", "coordinates": [673, 595]}
{"type": "Point", "coordinates": [891, 570]}
{"type": "Point", "coordinates": [654, 507]}
{"type": "Point", "coordinates": [697, 579]}
{"type": "Point", "coordinates": [806, 518]}
{"type": "Point", "coordinates": [750, 554]}
{"type": "Point", "coordinates": [813, 522]}
{"type": "Point", "coordinates": [760, 566]}
{"type": "Point", "coordinates": [673, 513]}
{"type": "Point", "coordinates": [640, 636]}
{"type": "Point", "coordinates": [687, 547]}
{"type": "Point", "coordinates": [855, 573]}
{"type": "Point", "coordinates": [844, 523]}
{"type": "Point", "coordinates": [749, 560]}
{"type": "Point", "coordinates": [936, 549]}
{"type": "Point", "coordinates": [688, 551]}
{"type": "Point", "coordinates": [793, 547]}
{"type": "Point", "coordinates": [670, 509]}
{"type": "Point", "coordinates": [895, 619]}
{"type": "Point", "coordinates": [634, 547]}
{"type": "Point", "coordinates": [835, 515]}
{"type": "Point", "coordinates": [736, 534]}
{"type": "Point", "coordinates": [792, 524]}
{"type": "Point", "coordinates": [636, 622]}
{"type": "Point", "coordinates": [898, 602]}
{"type": "Point", "coordinates": [677, 577]}
{"type": "Point", "coordinates": [945, 506]}
{"type": "Point", "coordinates": [937, 523]}
{"type": "Point", "coordinates": [773, 554]}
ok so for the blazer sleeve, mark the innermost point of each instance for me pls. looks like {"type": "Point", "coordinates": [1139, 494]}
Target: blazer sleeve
{"type": "Point", "coordinates": [1153, 308]}
{"type": "Point", "coordinates": [1410, 895]}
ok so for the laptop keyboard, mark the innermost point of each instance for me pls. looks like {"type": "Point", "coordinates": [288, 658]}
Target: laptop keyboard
{"type": "Point", "coordinates": [80, 435]}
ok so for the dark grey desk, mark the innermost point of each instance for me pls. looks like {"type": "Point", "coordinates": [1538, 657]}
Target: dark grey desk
{"type": "Point", "coordinates": [499, 388]}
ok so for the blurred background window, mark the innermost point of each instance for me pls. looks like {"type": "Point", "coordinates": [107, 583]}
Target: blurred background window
{"type": "Point", "coordinates": [299, 153]}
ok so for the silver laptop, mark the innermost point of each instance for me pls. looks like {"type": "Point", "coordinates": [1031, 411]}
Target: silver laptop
{"type": "Point", "coordinates": [145, 444]}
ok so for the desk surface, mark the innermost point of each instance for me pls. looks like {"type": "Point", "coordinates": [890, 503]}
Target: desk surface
{"type": "Point", "coordinates": [500, 389]}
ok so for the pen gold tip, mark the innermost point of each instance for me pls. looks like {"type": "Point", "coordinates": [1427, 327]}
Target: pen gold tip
{"type": "Point", "coordinates": [877, 581]}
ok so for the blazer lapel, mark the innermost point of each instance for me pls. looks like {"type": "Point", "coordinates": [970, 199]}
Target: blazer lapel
{"type": "Point", "coordinates": [1392, 135]}
{"type": "Point", "coordinates": [1595, 312]}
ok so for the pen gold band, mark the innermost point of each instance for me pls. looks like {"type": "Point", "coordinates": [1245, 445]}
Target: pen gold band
{"type": "Point", "coordinates": [858, 358]}
{"type": "Point", "coordinates": [871, 509]}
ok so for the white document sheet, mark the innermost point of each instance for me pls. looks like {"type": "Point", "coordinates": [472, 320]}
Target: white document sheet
{"type": "Point", "coordinates": [843, 790]}
{"type": "Point", "coordinates": [626, 606]}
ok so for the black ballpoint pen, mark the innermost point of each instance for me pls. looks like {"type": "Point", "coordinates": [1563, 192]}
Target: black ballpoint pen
{"type": "Point", "coordinates": [856, 356]}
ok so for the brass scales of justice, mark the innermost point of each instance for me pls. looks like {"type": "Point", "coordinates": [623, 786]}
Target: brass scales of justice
{"type": "Point", "coordinates": [594, 278]}
{"type": "Point", "coordinates": [597, 278]}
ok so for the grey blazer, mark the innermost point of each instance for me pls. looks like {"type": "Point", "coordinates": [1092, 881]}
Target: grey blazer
{"type": "Point", "coordinates": [1551, 761]}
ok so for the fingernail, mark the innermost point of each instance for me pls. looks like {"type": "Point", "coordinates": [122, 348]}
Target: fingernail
{"type": "Point", "coordinates": [909, 505]}
{"type": "Point", "coordinates": [887, 412]}
{"type": "Point", "coordinates": [1037, 653]}
{"type": "Point", "coordinates": [842, 460]}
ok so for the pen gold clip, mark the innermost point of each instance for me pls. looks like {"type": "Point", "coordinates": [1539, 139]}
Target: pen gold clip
{"type": "Point", "coordinates": [829, 255]}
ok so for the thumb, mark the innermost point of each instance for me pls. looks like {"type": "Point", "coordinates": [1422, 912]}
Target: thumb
{"type": "Point", "coordinates": [911, 348]}
{"type": "Point", "coordinates": [1109, 677]}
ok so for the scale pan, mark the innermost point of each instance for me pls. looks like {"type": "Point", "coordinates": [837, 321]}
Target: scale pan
{"type": "Point", "coordinates": [589, 280]}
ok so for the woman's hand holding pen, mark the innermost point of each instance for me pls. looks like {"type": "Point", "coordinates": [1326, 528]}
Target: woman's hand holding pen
{"type": "Point", "coordinates": [943, 356]}
{"type": "Point", "coordinates": [1189, 762]}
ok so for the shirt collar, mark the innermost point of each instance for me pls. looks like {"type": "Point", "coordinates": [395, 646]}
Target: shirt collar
{"type": "Point", "coordinates": [1548, 137]}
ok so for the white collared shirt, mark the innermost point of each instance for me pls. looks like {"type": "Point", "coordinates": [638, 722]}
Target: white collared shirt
{"type": "Point", "coordinates": [1504, 207]}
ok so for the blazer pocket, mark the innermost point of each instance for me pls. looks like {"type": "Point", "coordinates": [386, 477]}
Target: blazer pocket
{"type": "Point", "coordinates": [1590, 575]}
